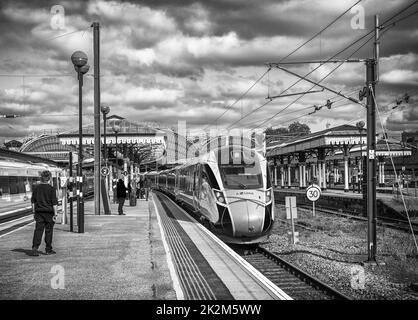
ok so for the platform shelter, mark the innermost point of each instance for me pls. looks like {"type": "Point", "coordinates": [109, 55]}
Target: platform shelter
{"type": "Point", "coordinates": [329, 158]}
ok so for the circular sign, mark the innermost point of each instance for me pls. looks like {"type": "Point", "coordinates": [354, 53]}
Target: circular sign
{"type": "Point", "coordinates": [104, 171]}
{"type": "Point", "coordinates": [313, 192]}
{"type": "Point", "coordinates": [125, 173]}
{"type": "Point", "coordinates": [63, 181]}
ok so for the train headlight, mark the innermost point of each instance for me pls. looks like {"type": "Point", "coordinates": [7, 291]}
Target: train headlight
{"type": "Point", "coordinates": [268, 195]}
{"type": "Point", "coordinates": [219, 196]}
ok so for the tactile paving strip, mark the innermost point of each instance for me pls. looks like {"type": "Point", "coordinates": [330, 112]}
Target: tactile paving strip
{"type": "Point", "coordinates": [197, 278]}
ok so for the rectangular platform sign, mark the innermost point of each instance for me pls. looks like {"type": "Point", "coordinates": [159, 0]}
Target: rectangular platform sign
{"type": "Point", "coordinates": [291, 211]}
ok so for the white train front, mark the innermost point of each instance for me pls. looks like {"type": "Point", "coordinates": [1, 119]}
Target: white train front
{"type": "Point", "coordinates": [229, 188]}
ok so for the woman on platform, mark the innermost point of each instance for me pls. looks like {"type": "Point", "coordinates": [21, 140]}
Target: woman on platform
{"type": "Point", "coordinates": [121, 195]}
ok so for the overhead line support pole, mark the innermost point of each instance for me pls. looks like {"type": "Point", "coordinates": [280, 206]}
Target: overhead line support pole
{"type": "Point", "coordinates": [371, 205]}
{"type": "Point", "coordinates": [97, 138]}
{"type": "Point", "coordinates": [80, 201]}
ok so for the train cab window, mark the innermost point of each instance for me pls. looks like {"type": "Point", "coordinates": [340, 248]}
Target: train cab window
{"type": "Point", "coordinates": [239, 169]}
{"type": "Point", "coordinates": [241, 176]}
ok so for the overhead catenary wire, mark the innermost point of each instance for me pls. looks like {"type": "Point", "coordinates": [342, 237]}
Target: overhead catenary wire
{"type": "Point", "coordinates": [397, 14]}
{"type": "Point", "coordinates": [240, 97]}
{"type": "Point", "coordinates": [321, 64]}
{"type": "Point", "coordinates": [67, 34]}
{"type": "Point", "coordinates": [320, 32]}
{"type": "Point", "coordinates": [48, 75]}
{"type": "Point", "coordinates": [305, 108]}
{"type": "Point", "coordinates": [285, 57]}
{"type": "Point", "coordinates": [322, 79]}
{"type": "Point", "coordinates": [382, 26]}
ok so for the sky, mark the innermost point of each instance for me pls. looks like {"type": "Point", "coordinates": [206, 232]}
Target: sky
{"type": "Point", "coordinates": [203, 62]}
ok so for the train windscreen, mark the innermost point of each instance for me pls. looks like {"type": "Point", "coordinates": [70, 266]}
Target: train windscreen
{"type": "Point", "coordinates": [241, 176]}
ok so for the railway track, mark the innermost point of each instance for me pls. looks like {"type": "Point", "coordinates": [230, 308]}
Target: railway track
{"type": "Point", "coordinates": [397, 224]}
{"type": "Point", "coordinates": [24, 212]}
{"type": "Point", "coordinates": [292, 280]}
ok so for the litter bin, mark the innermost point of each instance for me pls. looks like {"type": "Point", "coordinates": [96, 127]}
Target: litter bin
{"type": "Point", "coordinates": [132, 199]}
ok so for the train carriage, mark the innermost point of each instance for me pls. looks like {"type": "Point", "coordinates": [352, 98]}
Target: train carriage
{"type": "Point", "coordinates": [18, 177]}
{"type": "Point", "coordinates": [229, 188]}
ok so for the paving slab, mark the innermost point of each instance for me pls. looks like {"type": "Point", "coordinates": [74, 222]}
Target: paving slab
{"type": "Point", "coordinates": [118, 257]}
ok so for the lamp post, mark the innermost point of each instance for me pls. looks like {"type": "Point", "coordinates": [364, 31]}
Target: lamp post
{"type": "Point", "coordinates": [403, 144]}
{"type": "Point", "coordinates": [116, 129]}
{"type": "Point", "coordinates": [360, 125]}
{"type": "Point", "coordinates": [105, 110]}
{"type": "Point", "coordinates": [107, 179]}
{"type": "Point", "coordinates": [79, 60]}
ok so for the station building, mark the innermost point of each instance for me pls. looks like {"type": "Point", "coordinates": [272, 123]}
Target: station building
{"type": "Point", "coordinates": [332, 158]}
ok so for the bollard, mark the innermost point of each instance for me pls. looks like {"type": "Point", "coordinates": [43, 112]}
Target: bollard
{"type": "Point", "coordinates": [132, 198]}
{"type": "Point", "coordinates": [64, 206]}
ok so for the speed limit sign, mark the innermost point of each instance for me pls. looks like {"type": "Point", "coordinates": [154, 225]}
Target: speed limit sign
{"type": "Point", "coordinates": [313, 193]}
{"type": "Point", "coordinates": [104, 171]}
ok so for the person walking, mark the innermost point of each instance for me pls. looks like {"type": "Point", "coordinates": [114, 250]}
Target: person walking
{"type": "Point", "coordinates": [44, 207]}
{"type": "Point", "coordinates": [121, 195]}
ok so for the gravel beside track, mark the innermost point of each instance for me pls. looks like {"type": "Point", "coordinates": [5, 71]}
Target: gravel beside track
{"type": "Point", "coordinates": [333, 248]}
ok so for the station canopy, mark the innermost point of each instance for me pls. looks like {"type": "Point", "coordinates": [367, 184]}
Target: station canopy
{"type": "Point", "coordinates": [145, 140]}
{"type": "Point", "coordinates": [333, 138]}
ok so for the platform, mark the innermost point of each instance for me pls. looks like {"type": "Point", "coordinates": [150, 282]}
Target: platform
{"type": "Point", "coordinates": [155, 251]}
{"type": "Point", "coordinates": [118, 257]}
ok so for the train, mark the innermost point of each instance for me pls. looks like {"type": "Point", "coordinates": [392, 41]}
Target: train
{"type": "Point", "coordinates": [17, 178]}
{"type": "Point", "coordinates": [229, 189]}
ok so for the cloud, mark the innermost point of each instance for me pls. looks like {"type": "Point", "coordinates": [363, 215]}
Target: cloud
{"type": "Point", "coordinates": [170, 60]}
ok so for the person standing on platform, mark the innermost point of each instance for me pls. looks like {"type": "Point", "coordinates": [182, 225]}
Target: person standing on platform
{"type": "Point", "coordinates": [146, 187]}
{"type": "Point", "coordinates": [44, 207]}
{"type": "Point", "coordinates": [141, 188]}
{"type": "Point", "coordinates": [121, 195]}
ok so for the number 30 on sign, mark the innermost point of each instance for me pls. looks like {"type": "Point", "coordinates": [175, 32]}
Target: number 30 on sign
{"type": "Point", "coordinates": [313, 192]}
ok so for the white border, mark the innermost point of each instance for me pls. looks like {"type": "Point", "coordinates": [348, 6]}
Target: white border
{"type": "Point", "coordinates": [16, 229]}
{"type": "Point", "coordinates": [5, 213]}
{"type": "Point", "coordinates": [246, 265]}
{"type": "Point", "coordinates": [174, 277]}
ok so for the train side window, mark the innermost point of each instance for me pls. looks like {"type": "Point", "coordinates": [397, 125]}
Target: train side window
{"type": "Point", "coordinates": [211, 177]}
{"type": "Point", "coordinates": [190, 179]}
{"type": "Point", "coordinates": [186, 180]}
{"type": "Point", "coordinates": [182, 180]}
{"type": "Point", "coordinates": [4, 185]}
{"type": "Point", "coordinates": [21, 185]}
{"type": "Point", "coordinates": [192, 175]}
{"type": "Point", "coordinates": [13, 182]}
{"type": "Point", "coordinates": [195, 177]}
{"type": "Point", "coordinates": [268, 182]}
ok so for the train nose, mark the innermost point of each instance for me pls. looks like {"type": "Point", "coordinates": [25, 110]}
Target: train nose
{"type": "Point", "coordinates": [247, 218]}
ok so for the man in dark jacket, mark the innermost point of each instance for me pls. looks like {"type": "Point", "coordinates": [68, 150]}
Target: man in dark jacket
{"type": "Point", "coordinates": [44, 207]}
{"type": "Point", "coordinates": [121, 195]}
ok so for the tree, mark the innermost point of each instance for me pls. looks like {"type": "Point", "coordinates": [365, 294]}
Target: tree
{"type": "Point", "coordinates": [271, 132]}
{"type": "Point", "coordinates": [297, 127]}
